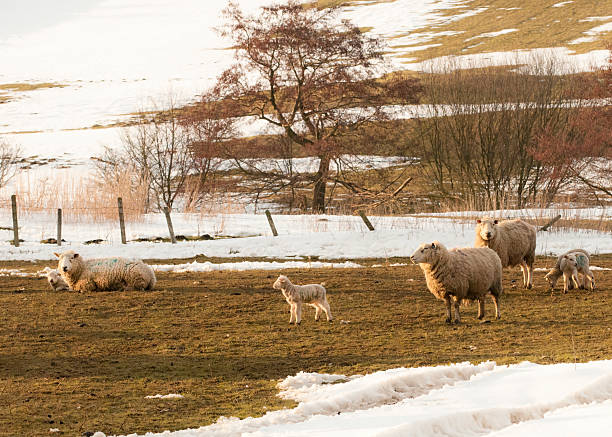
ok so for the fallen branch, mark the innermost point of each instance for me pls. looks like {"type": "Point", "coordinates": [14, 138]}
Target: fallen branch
{"type": "Point", "coordinates": [549, 224]}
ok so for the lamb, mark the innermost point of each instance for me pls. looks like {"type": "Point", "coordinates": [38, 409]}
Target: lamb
{"type": "Point", "coordinates": [569, 265]}
{"type": "Point", "coordinates": [312, 294]}
{"type": "Point", "coordinates": [458, 275]}
{"type": "Point", "coordinates": [514, 241]}
{"type": "Point", "coordinates": [55, 280]}
{"type": "Point", "coordinates": [105, 273]}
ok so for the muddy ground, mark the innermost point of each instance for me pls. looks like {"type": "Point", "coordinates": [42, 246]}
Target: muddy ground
{"type": "Point", "coordinates": [85, 362]}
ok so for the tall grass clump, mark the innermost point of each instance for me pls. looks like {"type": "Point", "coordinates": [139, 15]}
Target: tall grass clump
{"type": "Point", "coordinates": [81, 198]}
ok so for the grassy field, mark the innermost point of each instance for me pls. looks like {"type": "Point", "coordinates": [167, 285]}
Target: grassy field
{"type": "Point", "coordinates": [537, 24]}
{"type": "Point", "coordinates": [85, 362]}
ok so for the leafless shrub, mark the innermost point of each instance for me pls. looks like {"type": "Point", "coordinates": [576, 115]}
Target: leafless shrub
{"type": "Point", "coordinates": [9, 159]}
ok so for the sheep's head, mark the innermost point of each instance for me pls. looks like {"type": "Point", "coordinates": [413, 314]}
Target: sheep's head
{"type": "Point", "coordinates": [486, 228]}
{"type": "Point", "coordinates": [552, 277]}
{"type": "Point", "coordinates": [280, 283]}
{"type": "Point", "coordinates": [53, 277]}
{"type": "Point", "coordinates": [427, 253]}
{"type": "Point", "coordinates": [67, 261]}
{"type": "Point", "coordinates": [569, 260]}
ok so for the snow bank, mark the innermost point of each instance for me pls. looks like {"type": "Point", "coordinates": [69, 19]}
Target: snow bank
{"type": "Point", "coordinates": [300, 236]}
{"type": "Point", "coordinates": [459, 400]}
{"type": "Point", "coordinates": [250, 265]}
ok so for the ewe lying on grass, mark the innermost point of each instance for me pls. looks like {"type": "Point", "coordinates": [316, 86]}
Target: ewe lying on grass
{"type": "Point", "coordinates": [311, 294]}
{"type": "Point", "coordinates": [104, 274]}
{"type": "Point", "coordinates": [460, 274]}
{"type": "Point", "coordinates": [569, 265]}
{"type": "Point", "coordinates": [514, 241]}
{"type": "Point", "coordinates": [55, 280]}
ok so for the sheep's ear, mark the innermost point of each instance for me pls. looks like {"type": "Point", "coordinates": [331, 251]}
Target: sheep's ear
{"type": "Point", "coordinates": [478, 221]}
{"type": "Point", "coordinates": [76, 255]}
{"type": "Point", "coordinates": [495, 222]}
{"type": "Point", "coordinates": [56, 254]}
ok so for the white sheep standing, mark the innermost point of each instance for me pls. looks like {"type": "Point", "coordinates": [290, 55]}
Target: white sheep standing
{"type": "Point", "coordinates": [312, 294]}
{"type": "Point", "coordinates": [105, 273]}
{"type": "Point", "coordinates": [514, 241]}
{"type": "Point", "coordinates": [569, 265]}
{"type": "Point", "coordinates": [55, 280]}
{"type": "Point", "coordinates": [458, 275]}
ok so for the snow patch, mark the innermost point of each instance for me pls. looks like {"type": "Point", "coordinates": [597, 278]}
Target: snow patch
{"type": "Point", "coordinates": [168, 396]}
{"type": "Point", "coordinates": [250, 265]}
{"type": "Point", "coordinates": [455, 400]}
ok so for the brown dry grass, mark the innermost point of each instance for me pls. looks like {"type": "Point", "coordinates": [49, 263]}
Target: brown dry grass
{"type": "Point", "coordinates": [24, 86]}
{"type": "Point", "coordinates": [80, 198]}
{"type": "Point", "coordinates": [85, 362]}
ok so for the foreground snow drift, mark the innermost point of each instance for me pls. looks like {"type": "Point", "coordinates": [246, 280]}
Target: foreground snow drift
{"type": "Point", "coordinates": [455, 400]}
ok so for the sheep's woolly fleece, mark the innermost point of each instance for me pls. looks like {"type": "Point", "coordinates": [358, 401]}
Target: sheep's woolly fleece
{"type": "Point", "coordinates": [104, 274]}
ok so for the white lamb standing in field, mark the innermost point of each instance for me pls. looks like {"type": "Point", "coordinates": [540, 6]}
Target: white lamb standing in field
{"type": "Point", "coordinates": [312, 294]}
{"type": "Point", "coordinates": [514, 241]}
{"type": "Point", "coordinates": [458, 275]}
{"type": "Point", "coordinates": [105, 273]}
{"type": "Point", "coordinates": [55, 280]}
{"type": "Point", "coordinates": [569, 265]}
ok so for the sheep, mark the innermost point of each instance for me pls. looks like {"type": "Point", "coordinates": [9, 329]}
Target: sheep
{"type": "Point", "coordinates": [465, 274]}
{"type": "Point", "coordinates": [105, 273]}
{"type": "Point", "coordinates": [312, 294]}
{"type": "Point", "coordinates": [55, 280]}
{"type": "Point", "coordinates": [581, 259]}
{"type": "Point", "coordinates": [514, 241]}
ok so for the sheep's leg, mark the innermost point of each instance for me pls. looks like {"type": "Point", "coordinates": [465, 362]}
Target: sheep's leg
{"type": "Point", "coordinates": [298, 313]}
{"type": "Point", "coordinates": [581, 277]}
{"type": "Point", "coordinates": [292, 310]}
{"type": "Point", "coordinates": [496, 303]}
{"type": "Point", "coordinates": [530, 276]}
{"type": "Point", "coordinates": [527, 269]}
{"type": "Point", "coordinates": [574, 278]}
{"type": "Point", "coordinates": [327, 310]}
{"type": "Point", "coordinates": [565, 282]}
{"type": "Point", "coordinates": [481, 308]}
{"type": "Point", "coordinates": [588, 274]}
{"type": "Point", "coordinates": [317, 311]}
{"type": "Point", "coordinates": [525, 273]}
{"type": "Point", "coordinates": [448, 309]}
{"type": "Point", "coordinates": [456, 304]}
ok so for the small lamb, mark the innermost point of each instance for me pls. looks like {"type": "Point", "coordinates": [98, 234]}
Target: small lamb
{"type": "Point", "coordinates": [569, 265]}
{"type": "Point", "coordinates": [312, 294]}
{"type": "Point", "coordinates": [55, 280]}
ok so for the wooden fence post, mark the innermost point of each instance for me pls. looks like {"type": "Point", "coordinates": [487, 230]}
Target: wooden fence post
{"type": "Point", "coordinates": [549, 224]}
{"type": "Point", "coordinates": [15, 225]}
{"type": "Point", "coordinates": [121, 219]}
{"type": "Point", "coordinates": [170, 228]}
{"type": "Point", "coordinates": [59, 226]}
{"type": "Point", "coordinates": [271, 222]}
{"type": "Point", "coordinates": [366, 220]}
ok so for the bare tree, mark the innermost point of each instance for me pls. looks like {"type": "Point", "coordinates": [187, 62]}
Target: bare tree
{"type": "Point", "coordinates": [476, 140]}
{"type": "Point", "coordinates": [9, 159]}
{"type": "Point", "coordinates": [310, 74]}
{"type": "Point", "coordinates": [211, 130]}
{"type": "Point", "coordinates": [582, 150]}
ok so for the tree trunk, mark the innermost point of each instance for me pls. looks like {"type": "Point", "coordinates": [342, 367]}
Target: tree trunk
{"type": "Point", "coordinates": [318, 195]}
